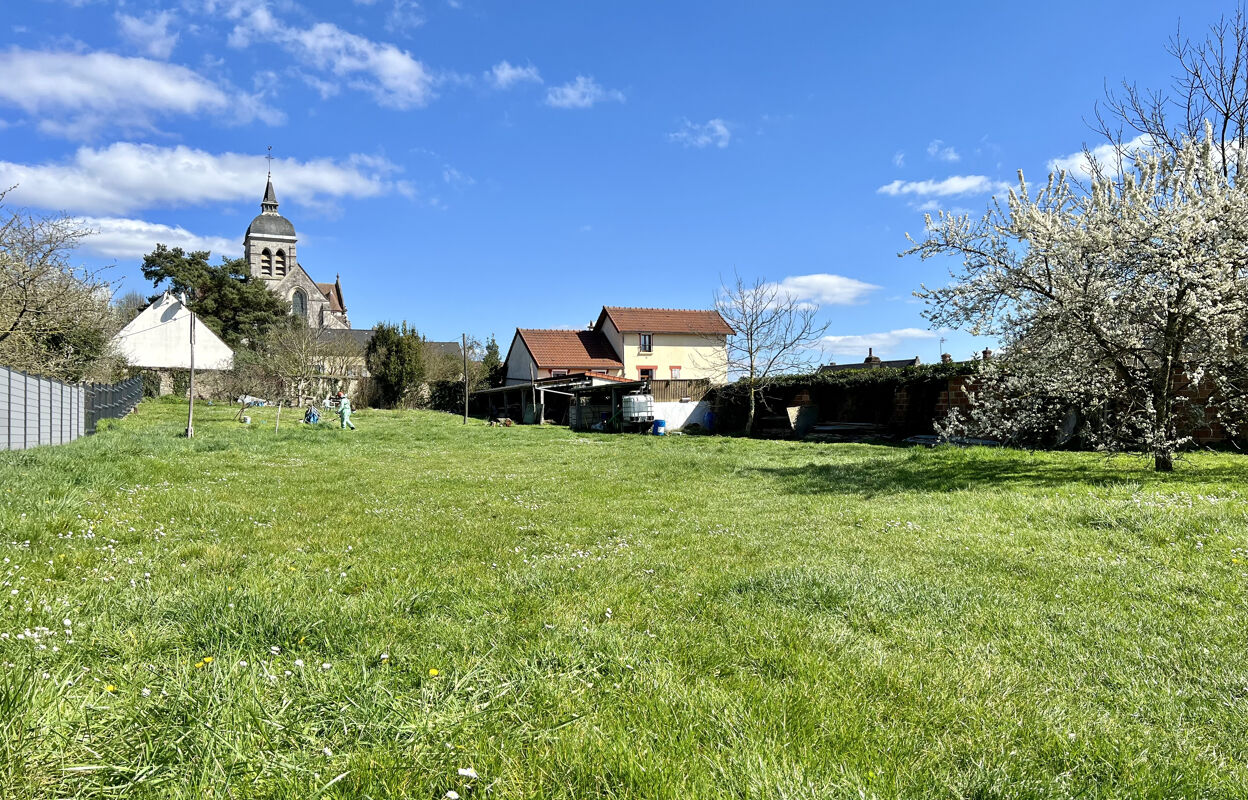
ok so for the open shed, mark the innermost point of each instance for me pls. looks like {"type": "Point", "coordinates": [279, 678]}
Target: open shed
{"type": "Point", "coordinates": [601, 408]}
{"type": "Point", "coordinates": [540, 401]}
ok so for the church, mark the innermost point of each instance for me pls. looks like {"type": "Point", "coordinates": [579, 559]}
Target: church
{"type": "Point", "coordinates": [271, 257]}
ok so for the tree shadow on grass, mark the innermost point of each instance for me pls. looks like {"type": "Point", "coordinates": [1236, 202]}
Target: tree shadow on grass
{"type": "Point", "coordinates": [948, 470]}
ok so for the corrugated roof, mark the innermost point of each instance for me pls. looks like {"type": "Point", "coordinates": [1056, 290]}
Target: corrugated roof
{"type": "Point", "coordinates": [559, 349]}
{"type": "Point", "coordinates": [665, 320]}
{"type": "Point", "coordinates": [604, 376]}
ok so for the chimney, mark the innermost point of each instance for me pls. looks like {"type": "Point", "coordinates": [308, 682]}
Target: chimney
{"type": "Point", "coordinates": [945, 358]}
{"type": "Point", "coordinates": [871, 358]}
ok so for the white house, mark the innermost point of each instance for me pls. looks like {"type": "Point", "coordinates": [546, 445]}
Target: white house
{"type": "Point", "coordinates": [160, 338]}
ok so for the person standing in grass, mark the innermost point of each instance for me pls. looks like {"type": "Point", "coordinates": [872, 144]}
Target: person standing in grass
{"type": "Point", "coordinates": [344, 411]}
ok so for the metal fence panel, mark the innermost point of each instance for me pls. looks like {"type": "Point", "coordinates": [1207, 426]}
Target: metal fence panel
{"type": "Point", "coordinates": [40, 411]}
{"type": "Point", "coordinates": [6, 380]}
{"type": "Point", "coordinates": [16, 411]}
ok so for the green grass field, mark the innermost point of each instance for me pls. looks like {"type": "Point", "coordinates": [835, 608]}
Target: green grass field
{"type": "Point", "coordinates": [315, 613]}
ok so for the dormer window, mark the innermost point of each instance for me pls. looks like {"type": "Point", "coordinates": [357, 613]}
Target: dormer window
{"type": "Point", "coordinates": [647, 343]}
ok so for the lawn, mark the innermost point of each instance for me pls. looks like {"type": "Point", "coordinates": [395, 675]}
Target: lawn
{"type": "Point", "coordinates": [419, 608]}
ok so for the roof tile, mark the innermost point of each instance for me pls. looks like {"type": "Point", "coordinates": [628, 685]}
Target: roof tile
{"type": "Point", "coordinates": [561, 349]}
{"type": "Point", "coordinates": [334, 292]}
{"type": "Point", "coordinates": [666, 320]}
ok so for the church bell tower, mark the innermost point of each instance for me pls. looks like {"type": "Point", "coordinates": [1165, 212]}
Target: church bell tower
{"type": "Point", "coordinates": [270, 241]}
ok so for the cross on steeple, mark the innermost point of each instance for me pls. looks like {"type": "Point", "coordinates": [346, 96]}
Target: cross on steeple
{"type": "Point", "coordinates": [269, 204]}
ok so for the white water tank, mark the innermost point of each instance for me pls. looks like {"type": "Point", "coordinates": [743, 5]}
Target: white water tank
{"type": "Point", "coordinates": [638, 408]}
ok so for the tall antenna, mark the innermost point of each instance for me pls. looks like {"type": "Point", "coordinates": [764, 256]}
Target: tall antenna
{"type": "Point", "coordinates": [269, 158]}
{"type": "Point", "coordinates": [942, 348]}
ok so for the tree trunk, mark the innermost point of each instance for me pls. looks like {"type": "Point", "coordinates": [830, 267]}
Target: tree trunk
{"type": "Point", "coordinates": [278, 425]}
{"type": "Point", "coordinates": [1163, 462]}
{"type": "Point", "coordinates": [749, 420]}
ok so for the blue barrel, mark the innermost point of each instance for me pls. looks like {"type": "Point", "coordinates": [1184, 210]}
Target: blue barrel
{"type": "Point", "coordinates": [660, 427]}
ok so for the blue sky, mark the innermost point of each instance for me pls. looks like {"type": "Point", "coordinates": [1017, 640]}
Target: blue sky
{"type": "Point", "coordinates": [473, 166]}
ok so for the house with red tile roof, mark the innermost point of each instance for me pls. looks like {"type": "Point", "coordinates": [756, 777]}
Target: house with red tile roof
{"type": "Point", "coordinates": [628, 343]}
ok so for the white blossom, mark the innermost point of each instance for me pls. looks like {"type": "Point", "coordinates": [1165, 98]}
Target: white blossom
{"type": "Point", "coordinates": [1112, 303]}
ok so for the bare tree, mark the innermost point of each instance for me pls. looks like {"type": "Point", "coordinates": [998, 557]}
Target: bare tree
{"type": "Point", "coordinates": [129, 306]}
{"type": "Point", "coordinates": [294, 358]}
{"type": "Point", "coordinates": [775, 334]}
{"type": "Point", "coordinates": [293, 363]}
{"type": "Point", "coordinates": [1211, 84]}
{"type": "Point", "coordinates": [54, 317]}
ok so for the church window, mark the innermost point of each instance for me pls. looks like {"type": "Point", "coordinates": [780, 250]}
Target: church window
{"type": "Point", "coordinates": [299, 304]}
{"type": "Point", "coordinates": [281, 262]}
{"type": "Point", "coordinates": [266, 262]}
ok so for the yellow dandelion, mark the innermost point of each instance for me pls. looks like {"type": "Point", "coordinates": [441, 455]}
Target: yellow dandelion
{"type": "Point", "coordinates": [110, 688]}
{"type": "Point", "coordinates": [199, 665]}
{"type": "Point", "coordinates": [433, 672]}
{"type": "Point", "coordinates": [302, 639]}
{"type": "Point", "coordinates": [207, 659]}
{"type": "Point", "coordinates": [292, 569]}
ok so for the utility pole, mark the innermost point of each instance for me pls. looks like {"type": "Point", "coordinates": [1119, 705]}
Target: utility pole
{"type": "Point", "coordinates": [190, 414]}
{"type": "Point", "coordinates": [465, 348]}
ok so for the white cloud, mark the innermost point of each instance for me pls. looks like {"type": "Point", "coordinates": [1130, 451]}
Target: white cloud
{"type": "Point", "coordinates": [953, 185]}
{"type": "Point", "coordinates": [404, 16]}
{"type": "Point", "coordinates": [714, 132]}
{"type": "Point", "coordinates": [149, 34]}
{"type": "Point", "coordinates": [883, 344]}
{"type": "Point", "coordinates": [124, 177]}
{"type": "Point", "coordinates": [392, 76]}
{"type": "Point", "coordinates": [505, 75]}
{"type": "Point", "coordinates": [929, 206]}
{"type": "Point", "coordinates": [453, 177]}
{"type": "Point", "coordinates": [826, 289]}
{"type": "Point", "coordinates": [115, 237]}
{"type": "Point", "coordinates": [583, 92]}
{"type": "Point", "coordinates": [899, 158]}
{"type": "Point", "coordinates": [75, 94]}
{"type": "Point", "coordinates": [1106, 155]}
{"type": "Point", "coordinates": [937, 149]}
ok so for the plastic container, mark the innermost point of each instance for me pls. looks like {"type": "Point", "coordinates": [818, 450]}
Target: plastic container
{"type": "Point", "coordinates": [660, 427]}
{"type": "Point", "coordinates": [637, 407]}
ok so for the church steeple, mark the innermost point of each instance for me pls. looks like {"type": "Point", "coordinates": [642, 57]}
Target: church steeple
{"type": "Point", "coordinates": [269, 204]}
{"type": "Point", "coordinates": [270, 240]}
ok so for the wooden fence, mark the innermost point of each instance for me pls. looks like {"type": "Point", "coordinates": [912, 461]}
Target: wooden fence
{"type": "Point", "coordinates": [673, 391]}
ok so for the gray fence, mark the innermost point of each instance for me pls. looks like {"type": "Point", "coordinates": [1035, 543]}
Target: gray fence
{"type": "Point", "coordinates": [37, 411]}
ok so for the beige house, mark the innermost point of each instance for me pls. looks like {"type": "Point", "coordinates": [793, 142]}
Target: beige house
{"type": "Point", "coordinates": [630, 343]}
{"type": "Point", "coordinates": [668, 344]}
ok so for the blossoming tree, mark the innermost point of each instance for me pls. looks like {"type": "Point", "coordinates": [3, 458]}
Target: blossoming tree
{"type": "Point", "coordinates": [1120, 304]}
